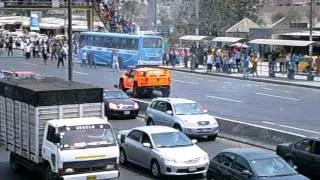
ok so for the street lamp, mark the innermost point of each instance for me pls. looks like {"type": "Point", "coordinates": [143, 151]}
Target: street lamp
{"type": "Point", "coordinates": [311, 26]}
{"type": "Point", "coordinates": [70, 54]}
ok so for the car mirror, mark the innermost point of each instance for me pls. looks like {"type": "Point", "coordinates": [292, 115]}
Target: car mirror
{"type": "Point", "coordinates": [246, 173]}
{"type": "Point", "coordinates": [122, 137]}
{"type": "Point", "coordinates": [169, 112]}
{"type": "Point", "coordinates": [194, 141]}
{"type": "Point", "coordinates": [147, 145]}
{"type": "Point", "coordinates": [115, 86]}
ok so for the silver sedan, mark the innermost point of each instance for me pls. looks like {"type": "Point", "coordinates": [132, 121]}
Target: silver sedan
{"type": "Point", "coordinates": [163, 150]}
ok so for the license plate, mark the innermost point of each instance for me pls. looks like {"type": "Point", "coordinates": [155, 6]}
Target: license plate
{"type": "Point", "coordinates": [91, 177]}
{"type": "Point", "coordinates": [191, 169]}
{"type": "Point", "coordinates": [126, 112]}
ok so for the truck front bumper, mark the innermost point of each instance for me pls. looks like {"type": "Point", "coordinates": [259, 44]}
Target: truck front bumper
{"type": "Point", "coordinates": [93, 176]}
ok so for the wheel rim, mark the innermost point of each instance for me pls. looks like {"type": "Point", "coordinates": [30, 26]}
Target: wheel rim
{"type": "Point", "coordinates": [122, 157]}
{"type": "Point", "coordinates": [155, 169]}
{"type": "Point", "coordinates": [49, 175]}
{"type": "Point", "coordinates": [292, 164]}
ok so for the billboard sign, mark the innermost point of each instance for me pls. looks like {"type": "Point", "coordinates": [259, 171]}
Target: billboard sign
{"type": "Point", "coordinates": [34, 21]}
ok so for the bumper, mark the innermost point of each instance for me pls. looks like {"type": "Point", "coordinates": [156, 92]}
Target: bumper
{"type": "Point", "coordinates": [184, 169]}
{"type": "Point", "coordinates": [200, 131]}
{"type": "Point", "coordinates": [97, 176]}
{"type": "Point", "coordinates": [122, 113]}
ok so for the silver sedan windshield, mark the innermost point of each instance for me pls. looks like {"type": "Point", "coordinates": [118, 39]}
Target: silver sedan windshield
{"type": "Point", "coordinates": [171, 139]}
{"type": "Point", "coordinates": [272, 167]}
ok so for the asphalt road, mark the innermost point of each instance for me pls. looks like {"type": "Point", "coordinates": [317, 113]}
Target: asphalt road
{"type": "Point", "coordinates": [129, 171]}
{"type": "Point", "coordinates": [287, 108]}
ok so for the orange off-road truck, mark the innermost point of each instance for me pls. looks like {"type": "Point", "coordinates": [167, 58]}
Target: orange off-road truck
{"type": "Point", "coordinates": [145, 80]}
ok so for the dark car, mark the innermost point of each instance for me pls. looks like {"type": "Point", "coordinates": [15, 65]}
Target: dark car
{"type": "Point", "coordinates": [251, 164]}
{"type": "Point", "coordinates": [118, 104]}
{"type": "Point", "coordinates": [304, 155]}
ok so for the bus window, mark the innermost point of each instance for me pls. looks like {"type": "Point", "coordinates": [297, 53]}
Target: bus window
{"type": "Point", "coordinates": [91, 41]}
{"type": "Point", "coordinates": [131, 44]}
{"type": "Point", "coordinates": [152, 43]}
{"type": "Point", "coordinates": [82, 41]}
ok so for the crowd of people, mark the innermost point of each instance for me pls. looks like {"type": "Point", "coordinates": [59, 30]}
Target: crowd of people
{"type": "Point", "coordinates": [114, 19]}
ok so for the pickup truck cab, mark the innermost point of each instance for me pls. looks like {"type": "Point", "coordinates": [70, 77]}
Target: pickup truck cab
{"type": "Point", "coordinates": [146, 80]}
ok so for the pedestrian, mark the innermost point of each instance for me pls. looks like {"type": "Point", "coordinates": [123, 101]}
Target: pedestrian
{"type": "Point", "coordinates": [230, 64]}
{"type": "Point", "coordinates": [291, 69]}
{"type": "Point", "coordinates": [218, 60]}
{"type": "Point", "coordinates": [254, 61]}
{"type": "Point", "coordinates": [44, 52]}
{"type": "Point", "coordinates": [193, 60]}
{"type": "Point", "coordinates": [1, 46]}
{"type": "Point", "coordinates": [186, 58]}
{"type": "Point", "coordinates": [53, 50]}
{"type": "Point", "coordinates": [287, 61]}
{"type": "Point", "coordinates": [27, 50]}
{"type": "Point", "coordinates": [209, 61]}
{"type": "Point", "coordinates": [84, 58]}
{"type": "Point", "coordinates": [238, 58]}
{"type": "Point", "coordinates": [92, 60]}
{"type": "Point", "coordinates": [297, 59]}
{"type": "Point", "coordinates": [60, 57]}
{"type": "Point", "coordinates": [245, 67]}
{"type": "Point", "coordinates": [115, 61]}
{"type": "Point", "coordinates": [10, 46]}
{"type": "Point", "coordinates": [281, 61]}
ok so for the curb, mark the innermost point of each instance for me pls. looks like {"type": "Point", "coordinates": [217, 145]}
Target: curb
{"type": "Point", "coordinates": [247, 79]}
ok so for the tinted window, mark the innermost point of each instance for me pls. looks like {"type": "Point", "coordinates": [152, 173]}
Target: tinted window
{"type": "Point", "coordinates": [225, 159]}
{"type": "Point", "coordinates": [271, 167]}
{"type": "Point", "coordinates": [160, 106]}
{"type": "Point", "coordinates": [145, 138]}
{"type": "Point", "coordinates": [316, 149]}
{"type": "Point", "coordinates": [304, 145]}
{"type": "Point", "coordinates": [134, 135]}
{"type": "Point", "coordinates": [152, 43]}
{"type": "Point", "coordinates": [240, 164]}
{"type": "Point", "coordinates": [51, 132]}
{"type": "Point", "coordinates": [82, 40]}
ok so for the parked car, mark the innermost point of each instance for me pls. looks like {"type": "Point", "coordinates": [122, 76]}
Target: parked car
{"type": "Point", "coordinates": [118, 104]}
{"type": "Point", "coordinates": [250, 164]}
{"type": "Point", "coordinates": [185, 115]}
{"type": "Point", "coordinates": [304, 155]}
{"type": "Point", "coordinates": [163, 150]}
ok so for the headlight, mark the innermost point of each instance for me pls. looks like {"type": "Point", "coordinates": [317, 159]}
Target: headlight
{"type": "Point", "coordinates": [113, 106]}
{"type": "Point", "coordinates": [187, 123]}
{"type": "Point", "coordinates": [205, 157]}
{"type": "Point", "coordinates": [169, 161]}
{"type": "Point", "coordinates": [69, 170]}
{"type": "Point", "coordinates": [136, 106]}
{"type": "Point", "coordinates": [111, 167]}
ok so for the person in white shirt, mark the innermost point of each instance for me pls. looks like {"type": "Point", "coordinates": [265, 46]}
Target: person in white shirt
{"type": "Point", "coordinates": [115, 61]}
{"type": "Point", "coordinates": [84, 58]}
{"type": "Point", "coordinates": [209, 61]}
{"type": "Point", "coordinates": [28, 50]}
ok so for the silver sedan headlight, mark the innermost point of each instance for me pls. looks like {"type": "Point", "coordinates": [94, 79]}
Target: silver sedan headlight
{"type": "Point", "coordinates": [136, 106]}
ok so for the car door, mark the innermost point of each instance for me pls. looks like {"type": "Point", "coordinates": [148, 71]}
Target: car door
{"type": "Point", "coordinates": [130, 80]}
{"type": "Point", "coordinates": [316, 158]}
{"type": "Point", "coordinates": [168, 118]}
{"type": "Point", "coordinates": [303, 156]}
{"type": "Point", "coordinates": [158, 113]}
{"type": "Point", "coordinates": [220, 165]}
{"type": "Point", "coordinates": [239, 164]}
{"type": "Point", "coordinates": [145, 153]}
{"type": "Point", "coordinates": [132, 145]}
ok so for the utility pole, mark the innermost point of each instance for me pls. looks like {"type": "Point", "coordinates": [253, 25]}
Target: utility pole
{"type": "Point", "coordinates": [155, 16]}
{"type": "Point", "coordinates": [70, 54]}
{"type": "Point", "coordinates": [311, 26]}
{"type": "Point", "coordinates": [197, 17]}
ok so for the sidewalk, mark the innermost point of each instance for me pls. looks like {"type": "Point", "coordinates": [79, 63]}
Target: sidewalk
{"type": "Point", "coordinates": [300, 80]}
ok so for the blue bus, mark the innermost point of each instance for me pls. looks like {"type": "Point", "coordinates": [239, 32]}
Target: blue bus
{"type": "Point", "coordinates": [133, 50]}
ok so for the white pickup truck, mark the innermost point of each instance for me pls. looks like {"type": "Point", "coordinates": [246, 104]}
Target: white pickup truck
{"type": "Point", "coordinates": [57, 127]}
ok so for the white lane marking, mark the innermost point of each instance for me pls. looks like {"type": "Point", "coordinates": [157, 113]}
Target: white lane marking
{"type": "Point", "coordinates": [282, 97]}
{"type": "Point", "coordinates": [228, 82]}
{"type": "Point", "coordinates": [199, 78]}
{"type": "Point", "coordinates": [188, 82]}
{"type": "Point", "coordinates": [212, 80]}
{"type": "Point", "coordinates": [260, 85]}
{"type": "Point", "coordinates": [286, 91]}
{"type": "Point", "coordinates": [266, 88]}
{"type": "Point", "coordinates": [225, 99]}
{"type": "Point", "coordinates": [29, 63]}
{"type": "Point", "coordinates": [241, 122]}
{"type": "Point", "coordinates": [187, 77]}
{"type": "Point", "coordinates": [78, 72]}
{"type": "Point", "coordinates": [290, 127]}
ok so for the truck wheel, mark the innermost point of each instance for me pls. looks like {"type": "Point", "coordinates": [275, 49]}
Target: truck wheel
{"type": "Point", "coordinates": [123, 156]}
{"type": "Point", "coordinates": [14, 166]}
{"type": "Point", "coordinates": [166, 92]}
{"type": "Point", "coordinates": [49, 175]}
{"type": "Point", "coordinates": [121, 86]}
{"type": "Point", "coordinates": [136, 90]}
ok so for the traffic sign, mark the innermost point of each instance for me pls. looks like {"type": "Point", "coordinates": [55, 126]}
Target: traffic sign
{"type": "Point", "coordinates": [55, 3]}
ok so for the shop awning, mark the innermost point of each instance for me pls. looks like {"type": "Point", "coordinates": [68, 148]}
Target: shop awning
{"type": "Point", "coordinates": [227, 39]}
{"type": "Point", "coordinates": [192, 38]}
{"type": "Point", "coordinates": [281, 42]}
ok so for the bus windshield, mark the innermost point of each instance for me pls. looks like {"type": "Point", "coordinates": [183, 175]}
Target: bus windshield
{"type": "Point", "coordinates": [152, 43]}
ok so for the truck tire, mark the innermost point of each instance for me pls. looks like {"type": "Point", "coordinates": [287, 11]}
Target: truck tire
{"type": "Point", "coordinates": [166, 92]}
{"type": "Point", "coordinates": [121, 85]}
{"type": "Point", "coordinates": [49, 175]}
{"type": "Point", "coordinates": [136, 90]}
{"type": "Point", "coordinates": [14, 165]}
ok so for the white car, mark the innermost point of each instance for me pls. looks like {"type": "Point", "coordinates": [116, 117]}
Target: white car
{"type": "Point", "coordinates": [163, 150]}
{"type": "Point", "coordinates": [182, 114]}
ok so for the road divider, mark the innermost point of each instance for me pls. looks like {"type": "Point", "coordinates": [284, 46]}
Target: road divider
{"type": "Point", "coordinates": [252, 134]}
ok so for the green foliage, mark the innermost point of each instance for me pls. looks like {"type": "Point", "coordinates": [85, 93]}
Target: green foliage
{"type": "Point", "coordinates": [218, 15]}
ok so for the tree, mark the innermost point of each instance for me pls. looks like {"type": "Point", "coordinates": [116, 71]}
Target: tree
{"type": "Point", "coordinates": [218, 15]}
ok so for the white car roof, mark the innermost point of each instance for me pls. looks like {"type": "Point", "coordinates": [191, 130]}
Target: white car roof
{"type": "Point", "coordinates": [77, 121]}
{"type": "Point", "coordinates": [176, 100]}
{"type": "Point", "coordinates": [155, 129]}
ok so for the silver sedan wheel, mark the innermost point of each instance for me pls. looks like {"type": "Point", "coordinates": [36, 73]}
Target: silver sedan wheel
{"type": "Point", "coordinates": [155, 169]}
{"type": "Point", "coordinates": [123, 157]}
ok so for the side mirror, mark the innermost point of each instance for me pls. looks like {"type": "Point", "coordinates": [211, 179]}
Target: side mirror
{"type": "Point", "coordinates": [56, 138]}
{"type": "Point", "coordinates": [246, 173]}
{"type": "Point", "coordinates": [147, 145]}
{"type": "Point", "coordinates": [194, 141]}
{"type": "Point", "coordinates": [169, 112]}
{"type": "Point", "coordinates": [122, 137]}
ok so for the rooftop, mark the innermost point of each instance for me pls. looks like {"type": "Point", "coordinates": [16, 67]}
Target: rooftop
{"type": "Point", "coordinates": [250, 153]}
{"type": "Point", "coordinates": [156, 129]}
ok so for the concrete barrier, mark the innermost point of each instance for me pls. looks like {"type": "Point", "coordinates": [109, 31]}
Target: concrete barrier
{"type": "Point", "coordinates": [248, 133]}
